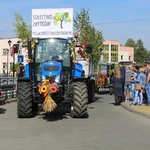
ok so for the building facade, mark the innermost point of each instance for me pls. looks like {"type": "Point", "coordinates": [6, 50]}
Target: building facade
{"type": "Point", "coordinates": [114, 52]}
{"type": "Point", "coordinates": [6, 60]}
{"type": "Point", "coordinates": [126, 53]}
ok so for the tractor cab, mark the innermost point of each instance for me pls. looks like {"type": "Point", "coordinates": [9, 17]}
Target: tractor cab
{"type": "Point", "coordinates": [103, 79]}
{"type": "Point", "coordinates": [52, 59]}
{"type": "Point", "coordinates": [106, 68]}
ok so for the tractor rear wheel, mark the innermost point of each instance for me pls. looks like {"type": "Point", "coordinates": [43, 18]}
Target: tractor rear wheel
{"type": "Point", "coordinates": [79, 100]}
{"type": "Point", "coordinates": [24, 100]}
{"type": "Point", "coordinates": [91, 91]}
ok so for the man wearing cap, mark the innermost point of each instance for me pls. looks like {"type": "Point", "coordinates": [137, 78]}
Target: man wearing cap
{"type": "Point", "coordinates": [123, 71]}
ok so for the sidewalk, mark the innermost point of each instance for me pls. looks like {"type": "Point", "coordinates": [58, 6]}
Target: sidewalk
{"type": "Point", "coordinates": [2, 102]}
{"type": "Point", "coordinates": [11, 100]}
{"type": "Point", "coordinates": [140, 110]}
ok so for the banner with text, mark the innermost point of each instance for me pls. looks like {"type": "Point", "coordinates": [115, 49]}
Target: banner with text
{"type": "Point", "coordinates": [52, 22]}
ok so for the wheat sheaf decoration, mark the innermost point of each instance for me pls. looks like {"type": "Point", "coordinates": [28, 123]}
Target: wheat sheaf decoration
{"type": "Point", "coordinates": [46, 89]}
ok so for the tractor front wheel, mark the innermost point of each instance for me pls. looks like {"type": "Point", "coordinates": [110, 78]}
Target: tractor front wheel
{"type": "Point", "coordinates": [79, 103]}
{"type": "Point", "coordinates": [24, 100]}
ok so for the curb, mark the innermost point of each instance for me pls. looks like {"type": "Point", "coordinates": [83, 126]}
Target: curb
{"type": "Point", "coordinates": [11, 100]}
{"type": "Point", "coordinates": [129, 108]}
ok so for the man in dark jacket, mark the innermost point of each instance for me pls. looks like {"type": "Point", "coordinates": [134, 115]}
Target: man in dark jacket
{"type": "Point", "coordinates": [123, 71]}
{"type": "Point", "coordinates": [20, 70]}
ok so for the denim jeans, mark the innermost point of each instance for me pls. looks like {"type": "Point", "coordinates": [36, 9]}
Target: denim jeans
{"type": "Point", "coordinates": [128, 87]}
{"type": "Point", "coordinates": [140, 94]}
{"type": "Point", "coordinates": [148, 93]}
{"type": "Point", "coordinates": [133, 89]}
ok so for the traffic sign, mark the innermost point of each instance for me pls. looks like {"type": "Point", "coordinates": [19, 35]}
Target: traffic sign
{"type": "Point", "coordinates": [20, 58]}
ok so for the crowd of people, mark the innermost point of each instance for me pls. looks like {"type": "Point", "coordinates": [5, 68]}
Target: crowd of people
{"type": "Point", "coordinates": [4, 74]}
{"type": "Point", "coordinates": [132, 83]}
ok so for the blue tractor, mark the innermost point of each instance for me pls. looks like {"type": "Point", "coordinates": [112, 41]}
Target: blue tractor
{"type": "Point", "coordinates": [51, 60]}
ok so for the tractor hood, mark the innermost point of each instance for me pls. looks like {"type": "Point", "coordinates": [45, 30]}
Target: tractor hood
{"type": "Point", "coordinates": [53, 70]}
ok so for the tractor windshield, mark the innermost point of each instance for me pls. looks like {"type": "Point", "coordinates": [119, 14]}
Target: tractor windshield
{"type": "Point", "coordinates": [52, 49]}
{"type": "Point", "coordinates": [103, 69]}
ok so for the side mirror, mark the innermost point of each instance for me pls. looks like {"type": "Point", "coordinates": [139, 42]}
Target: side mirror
{"type": "Point", "coordinates": [88, 48]}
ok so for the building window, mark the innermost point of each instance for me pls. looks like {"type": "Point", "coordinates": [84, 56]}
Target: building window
{"type": "Point", "coordinates": [11, 64]}
{"type": "Point", "coordinates": [114, 48]}
{"type": "Point", "coordinates": [114, 53]}
{"type": "Point", "coordinates": [106, 57]}
{"type": "Point", "coordinates": [129, 57]}
{"type": "Point", "coordinates": [4, 65]}
{"type": "Point", "coordinates": [114, 57]}
{"type": "Point", "coordinates": [106, 47]}
{"type": "Point", "coordinates": [5, 51]}
{"type": "Point", "coordinates": [106, 53]}
{"type": "Point", "coordinates": [121, 57]}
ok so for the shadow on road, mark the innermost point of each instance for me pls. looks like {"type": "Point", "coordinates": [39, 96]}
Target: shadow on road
{"type": "Point", "coordinates": [112, 103]}
{"type": "Point", "coordinates": [2, 110]}
{"type": "Point", "coordinates": [97, 99]}
{"type": "Point", "coordinates": [61, 112]}
{"type": "Point", "coordinates": [103, 91]}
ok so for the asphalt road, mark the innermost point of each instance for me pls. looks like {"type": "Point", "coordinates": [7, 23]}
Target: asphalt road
{"type": "Point", "coordinates": [108, 127]}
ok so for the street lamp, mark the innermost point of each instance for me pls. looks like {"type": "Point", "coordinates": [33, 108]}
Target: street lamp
{"type": "Point", "coordinates": [7, 52]}
{"type": "Point", "coordinates": [9, 43]}
{"type": "Point", "coordinates": [18, 42]}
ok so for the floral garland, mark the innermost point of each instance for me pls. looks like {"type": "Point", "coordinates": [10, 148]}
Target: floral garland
{"type": "Point", "coordinates": [77, 50]}
{"type": "Point", "coordinates": [100, 80]}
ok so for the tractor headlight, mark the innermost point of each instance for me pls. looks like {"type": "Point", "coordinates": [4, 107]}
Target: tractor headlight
{"type": "Point", "coordinates": [43, 77]}
{"type": "Point", "coordinates": [57, 79]}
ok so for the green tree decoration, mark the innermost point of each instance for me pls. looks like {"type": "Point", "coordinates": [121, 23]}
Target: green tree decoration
{"type": "Point", "coordinates": [61, 17]}
{"type": "Point", "coordinates": [22, 30]}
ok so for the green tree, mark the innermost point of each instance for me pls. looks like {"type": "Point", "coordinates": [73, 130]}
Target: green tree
{"type": "Point", "coordinates": [82, 20]}
{"type": "Point", "coordinates": [148, 56]}
{"type": "Point", "coordinates": [14, 69]}
{"type": "Point", "coordinates": [22, 30]}
{"type": "Point", "coordinates": [61, 17]}
{"type": "Point", "coordinates": [141, 55]}
{"type": "Point", "coordinates": [131, 43]}
{"type": "Point", "coordinates": [88, 33]}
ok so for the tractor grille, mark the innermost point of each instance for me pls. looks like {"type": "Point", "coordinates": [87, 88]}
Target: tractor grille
{"type": "Point", "coordinates": [51, 68]}
{"type": "Point", "coordinates": [51, 77]}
